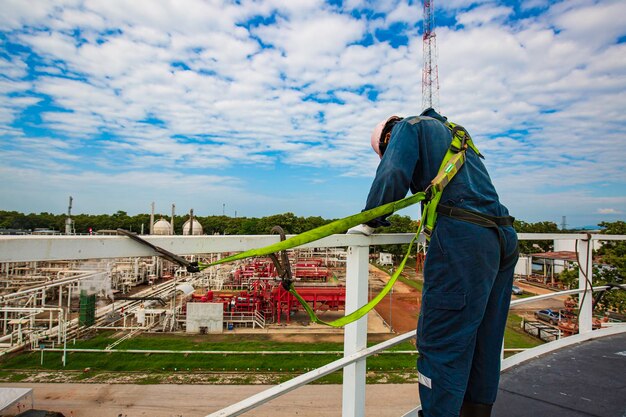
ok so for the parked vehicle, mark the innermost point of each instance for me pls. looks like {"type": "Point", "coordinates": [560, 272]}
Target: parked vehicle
{"type": "Point", "coordinates": [517, 290]}
{"type": "Point", "coordinates": [547, 315]}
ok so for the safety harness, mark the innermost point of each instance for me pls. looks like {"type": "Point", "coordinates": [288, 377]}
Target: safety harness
{"type": "Point", "coordinates": [451, 164]}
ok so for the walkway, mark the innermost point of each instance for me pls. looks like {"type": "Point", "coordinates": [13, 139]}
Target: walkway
{"type": "Point", "coordinates": [587, 379]}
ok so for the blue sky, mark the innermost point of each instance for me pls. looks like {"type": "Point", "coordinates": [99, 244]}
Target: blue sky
{"type": "Point", "coordinates": [264, 107]}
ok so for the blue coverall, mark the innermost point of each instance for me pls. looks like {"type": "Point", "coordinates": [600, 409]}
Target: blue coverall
{"type": "Point", "coordinates": [467, 289]}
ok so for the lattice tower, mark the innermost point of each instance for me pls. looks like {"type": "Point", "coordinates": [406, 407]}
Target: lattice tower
{"type": "Point", "coordinates": [430, 76]}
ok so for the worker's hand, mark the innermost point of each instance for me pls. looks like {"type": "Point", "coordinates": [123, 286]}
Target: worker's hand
{"type": "Point", "coordinates": [361, 229]}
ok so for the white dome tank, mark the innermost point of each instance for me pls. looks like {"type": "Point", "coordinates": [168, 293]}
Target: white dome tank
{"type": "Point", "coordinates": [197, 228]}
{"type": "Point", "coordinates": [162, 227]}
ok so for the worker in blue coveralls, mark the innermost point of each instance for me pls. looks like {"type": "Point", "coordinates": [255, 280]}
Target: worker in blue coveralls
{"type": "Point", "coordinates": [468, 272]}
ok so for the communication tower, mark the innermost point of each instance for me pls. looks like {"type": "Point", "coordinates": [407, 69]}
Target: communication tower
{"type": "Point", "coordinates": [430, 74]}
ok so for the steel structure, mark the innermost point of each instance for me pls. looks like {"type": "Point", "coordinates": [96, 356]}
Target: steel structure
{"type": "Point", "coordinates": [255, 292]}
{"type": "Point", "coordinates": [430, 73]}
{"type": "Point", "coordinates": [28, 290]}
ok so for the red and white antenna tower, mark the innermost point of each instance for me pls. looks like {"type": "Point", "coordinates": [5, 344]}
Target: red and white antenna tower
{"type": "Point", "coordinates": [430, 76]}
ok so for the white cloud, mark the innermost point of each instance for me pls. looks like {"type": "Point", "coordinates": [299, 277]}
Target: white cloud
{"type": "Point", "coordinates": [405, 13]}
{"type": "Point", "coordinates": [543, 96]}
{"type": "Point", "coordinates": [593, 23]}
{"type": "Point", "coordinates": [484, 14]}
{"type": "Point", "coordinates": [14, 68]}
{"type": "Point", "coordinates": [608, 211]}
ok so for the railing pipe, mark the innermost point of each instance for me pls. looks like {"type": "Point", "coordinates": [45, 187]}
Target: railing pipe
{"type": "Point", "coordinates": [585, 282]}
{"type": "Point", "coordinates": [269, 394]}
{"type": "Point", "coordinates": [534, 298]}
{"type": "Point", "coordinates": [355, 336]}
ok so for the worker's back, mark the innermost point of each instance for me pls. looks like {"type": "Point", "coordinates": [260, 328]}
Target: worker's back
{"type": "Point", "coordinates": [412, 159]}
{"type": "Point", "coordinates": [471, 187]}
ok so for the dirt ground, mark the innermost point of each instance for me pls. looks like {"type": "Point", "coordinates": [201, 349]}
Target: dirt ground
{"type": "Point", "coordinates": [114, 400]}
{"type": "Point", "coordinates": [527, 310]}
{"type": "Point", "coordinates": [400, 308]}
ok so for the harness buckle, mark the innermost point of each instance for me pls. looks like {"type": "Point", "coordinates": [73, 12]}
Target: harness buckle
{"type": "Point", "coordinates": [193, 267]}
{"type": "Point", "coordinates": [460, 133]}
{"type": "Point", "coordinates": [284, 269]}
{"type": "Point", "coordinates": [428, 193]}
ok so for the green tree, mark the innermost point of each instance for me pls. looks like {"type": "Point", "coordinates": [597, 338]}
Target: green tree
{"type": "Point", "coordinates": [534, 246]}
{"type": "Point", "coordinates": [612, 255]}
{"type": "Point", "coordinates": [609, 268]}
{"type": "Point", "coordinates": [614, 252]}
{"type": "Point", "coordinates": [399, 224]}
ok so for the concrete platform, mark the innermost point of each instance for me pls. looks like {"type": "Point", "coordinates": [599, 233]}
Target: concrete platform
{"type": "Point", "coordinates": [586, 379]}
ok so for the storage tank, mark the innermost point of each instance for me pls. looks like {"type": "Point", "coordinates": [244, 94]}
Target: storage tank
{"type": "Point", "coordinates": [196, 230]}
{"type": "Point", "coordinates": [162, 227]}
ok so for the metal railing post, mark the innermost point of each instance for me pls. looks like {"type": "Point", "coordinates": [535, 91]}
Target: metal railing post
{"type": "Point", "coordinates": [355, 335]}
{"type": "Point", "coordinates": [585, 305]}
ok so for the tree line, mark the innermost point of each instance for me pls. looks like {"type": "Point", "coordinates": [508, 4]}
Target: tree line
{"type": "Point", "coordinates": [291, 223]}
{"type": "Point", "coordinates": [83, 223]}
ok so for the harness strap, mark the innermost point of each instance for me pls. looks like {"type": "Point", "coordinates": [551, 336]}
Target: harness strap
{"type": "Point", "coordinates": [190, 266]}
{"type": "Point", "coordinates": [337, 226]}
{"type": "Point", "coordinates": [474, 216]}
{"type": "Point", "coordinates": [452, 162]}
{"type": "Point", "coordinates": [484, 220]}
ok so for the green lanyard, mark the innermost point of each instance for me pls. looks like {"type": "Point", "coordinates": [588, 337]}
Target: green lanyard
{"type": "Point", "coordinates": [338, 226]}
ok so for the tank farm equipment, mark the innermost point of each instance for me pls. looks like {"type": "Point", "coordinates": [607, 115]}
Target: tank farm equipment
{"type": "Point", "coordinates": [255, 288]}
{"type": "Point", "coordinates": [568, 323]}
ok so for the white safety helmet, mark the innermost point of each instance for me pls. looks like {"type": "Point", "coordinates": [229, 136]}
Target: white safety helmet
{"type": "Point", "coordinates": [382, 133]}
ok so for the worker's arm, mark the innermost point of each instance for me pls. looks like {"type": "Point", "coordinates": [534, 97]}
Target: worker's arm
{"type": "Point", "coordinates": [395, 171]}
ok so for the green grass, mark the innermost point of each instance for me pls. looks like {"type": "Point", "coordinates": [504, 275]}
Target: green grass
{"type": "Point", "coordinates": [270, 363]}
{"type": "Point", "coordinates": [382, 368]}
{"type": "Point", "coordinates": [135, 362]}
{"type": "Point", "coordinates": [515, 337]}
{"type": "Point", "coordinates": [226, 342]}
{"type": "Point", "coordinates": [10, 376]}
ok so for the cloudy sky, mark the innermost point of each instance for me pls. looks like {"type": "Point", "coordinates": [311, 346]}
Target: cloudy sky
{"type": "Point", "coordinates": [262, 107]}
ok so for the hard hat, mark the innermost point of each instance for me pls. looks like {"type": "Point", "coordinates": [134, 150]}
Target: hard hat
{"type": "Point", "coordinates": [382, 133]}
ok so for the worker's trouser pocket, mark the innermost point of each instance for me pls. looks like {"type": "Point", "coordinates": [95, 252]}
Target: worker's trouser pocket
{"type": "Point", "coordinates": [441, 314]}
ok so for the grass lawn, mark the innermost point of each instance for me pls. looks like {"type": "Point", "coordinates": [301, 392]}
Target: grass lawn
{"type": "Point", "coordinates": [515, 337]}
{"type": "Point", "coordinates": [167, 363]}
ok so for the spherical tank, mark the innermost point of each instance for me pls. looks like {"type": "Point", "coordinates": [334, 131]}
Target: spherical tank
{"type": "Point", "coordinates": [162, 227]}
{"type": "Point", "coordinates": [197, 228]}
